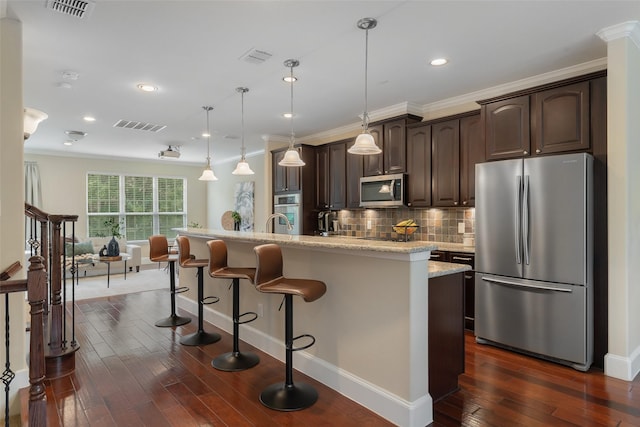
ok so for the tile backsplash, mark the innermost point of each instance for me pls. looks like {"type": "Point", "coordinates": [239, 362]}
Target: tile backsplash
{"type": "Point", "coordinates": [436, 225]}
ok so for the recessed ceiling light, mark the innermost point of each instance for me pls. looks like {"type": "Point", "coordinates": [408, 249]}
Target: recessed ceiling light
{"type": "Point", "coordinates": [89, 119]}
{"type": "Point", "coordinates": [146, 87]}
{"type": "Point", "coordinates": [290, 79]}
{"type": "Point", "coordinates": [438, 61]}
{"type": "Point", "coordinates": [68, 143]}
{"type": "Point", "coordinates": [287, 115]}
{"type": "Point", "coordinates": [205, 134]}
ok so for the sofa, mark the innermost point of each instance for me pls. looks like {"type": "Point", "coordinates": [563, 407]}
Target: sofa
{"type": "Point", "coordinates": [87, 255]}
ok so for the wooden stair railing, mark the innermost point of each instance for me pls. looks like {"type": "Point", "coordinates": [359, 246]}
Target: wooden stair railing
{"type": "Point", "coordinates": [48, 240]}
{"type": "Point", "coordinates": [36, 287]}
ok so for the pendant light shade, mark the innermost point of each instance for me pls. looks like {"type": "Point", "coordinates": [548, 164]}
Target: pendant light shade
{"type": "Point", "coordinates": [291, 156]}
{"type": "Point", "coordinates": [32, 119]}
{"type": "Point", "coordinates": [365, 144]}
{"type": "Point", "coordinates": [243, 167]}
{"type": "Point", "coordinates": [207, 173]}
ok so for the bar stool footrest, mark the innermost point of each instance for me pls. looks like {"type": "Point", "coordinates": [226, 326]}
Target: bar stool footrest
{"type": "Point", "coordinates": [294, 397]}
{"type": "Point", "coordinates": [235, 361]}
{"type": "Point", "coordinates": [180, 290]}
{"type": "Point", "coordinates": [210, 300]}
{"type": "Point", "coordinates": [255, 316]}
{"type": "Point", "coordinates": [313, 341]}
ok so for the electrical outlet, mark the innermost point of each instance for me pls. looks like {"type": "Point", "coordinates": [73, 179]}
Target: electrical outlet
{"type": "Point", "coordinates": [260, 310]}
{"type": "Point", "coordinates": [368, 224]}
{"type": "Point", "coordinates": [461, 227]}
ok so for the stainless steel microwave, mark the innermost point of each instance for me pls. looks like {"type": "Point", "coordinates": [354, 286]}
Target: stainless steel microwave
{"type": "Point", "coordinates": [382, 191]}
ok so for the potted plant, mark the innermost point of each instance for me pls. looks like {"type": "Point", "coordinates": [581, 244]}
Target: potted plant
{"type": "Point", "coordinates": [113, 226]}
{"type": "Point", "coordinates": [237, 219]}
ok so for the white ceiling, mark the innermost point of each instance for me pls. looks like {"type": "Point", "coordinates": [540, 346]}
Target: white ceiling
{"type": "Point", "coordinates": [191, 51]}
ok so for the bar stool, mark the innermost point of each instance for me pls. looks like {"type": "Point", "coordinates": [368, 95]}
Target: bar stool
{"type": "Point", "coordinates": [286, 396]}
{"type": "Point", "coordinates": [159, 252]}
{"type": "Point", "coordinates": [200, 337]}
{"type": "Point", "coordinates": [218, 268]}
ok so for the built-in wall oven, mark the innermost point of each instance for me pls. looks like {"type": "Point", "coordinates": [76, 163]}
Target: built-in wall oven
{"type": "Point", "coordinates": [289, 206]}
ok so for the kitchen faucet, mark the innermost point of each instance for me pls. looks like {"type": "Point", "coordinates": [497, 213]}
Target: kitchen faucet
{"type": "Point", "coordinates": [277, 215]}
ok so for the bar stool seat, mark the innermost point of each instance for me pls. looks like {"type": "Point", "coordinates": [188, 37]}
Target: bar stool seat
{"type": "Point", "coordinates": [159, 252]}
{"type": "Point", "coordinates": [200, 337]}
{"type": "Point", "coordinates": [218, 268]}
{"type": "Point", "coordinates": [286, 396]}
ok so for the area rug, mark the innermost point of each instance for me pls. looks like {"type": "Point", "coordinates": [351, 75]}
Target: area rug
{"type": "Point", "coordinates": [150, 279]}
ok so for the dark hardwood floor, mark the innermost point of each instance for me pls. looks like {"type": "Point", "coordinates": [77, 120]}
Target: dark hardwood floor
{"type": "Point", "coordinates": [131, 373]}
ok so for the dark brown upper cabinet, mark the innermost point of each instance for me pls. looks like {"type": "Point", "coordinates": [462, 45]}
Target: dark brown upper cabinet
{"type": "Point", "coordinates": [331, 176]}
{"type": "Point", "coordinates": [419, 166]}
{"type": "Point", "coordinates": [390, 136]}
{"type": "Point", "coordinates": [472, 152]}
{"type": "Point", "coordinates": [560, 119]}
{"type": "Point", "coordinates": [355, 170]}
{"type": "Point", "coordinates": [285, 180]}
{"type": "Point", "coordinates": [445, 163]}
{"type": "Point", "coordinates": [507, 128]}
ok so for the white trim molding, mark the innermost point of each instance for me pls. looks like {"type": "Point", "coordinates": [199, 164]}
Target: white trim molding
{"type": "Point", "coordinates": [624, 368]}
{"type": "Point", "coordinates": [630, 29]}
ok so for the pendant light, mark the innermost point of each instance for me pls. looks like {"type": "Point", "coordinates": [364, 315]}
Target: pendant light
{"type": "Point", "coordinates": [243, 167]}
{"type": "Point", "coordinates": [365, 144]}
{"type": "Point", "coordinates": [291, 156]}
{"type": "Point", "coordinates": [207, 173]}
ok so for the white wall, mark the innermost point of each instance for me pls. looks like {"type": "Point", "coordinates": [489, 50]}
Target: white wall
{"type": "Point", "coordinates": [64, 181]}
{"type": "Point", "coordinates": [220, 194]}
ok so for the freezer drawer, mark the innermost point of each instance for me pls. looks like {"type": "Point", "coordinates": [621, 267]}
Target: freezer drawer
{"type": "Point", "coordinates": [550, 320]}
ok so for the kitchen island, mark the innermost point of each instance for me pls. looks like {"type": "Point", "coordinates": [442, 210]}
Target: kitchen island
{"type": "Point", "coordinates": [371, 326]}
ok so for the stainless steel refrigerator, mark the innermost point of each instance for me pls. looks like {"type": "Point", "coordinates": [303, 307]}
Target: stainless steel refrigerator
{"type": "Point", "coordinates": [534, 252]}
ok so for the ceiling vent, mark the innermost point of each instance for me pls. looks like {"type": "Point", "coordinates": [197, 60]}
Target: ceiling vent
{"type": "Point", "coordinates": [76, 8]}
{"type": "Point", "coordinates": [128, 124]}
{"type": "Point", "coordinates": [255, 56]}
{"type": "Point", "coordinates": [170, 153]}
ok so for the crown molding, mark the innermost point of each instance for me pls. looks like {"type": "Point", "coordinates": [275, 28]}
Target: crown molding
{"type": "Point", "coordinates": [629, 29]}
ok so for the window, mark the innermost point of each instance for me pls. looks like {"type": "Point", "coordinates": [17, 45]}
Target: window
{"type": "Point", "coordinates": [143, 205]}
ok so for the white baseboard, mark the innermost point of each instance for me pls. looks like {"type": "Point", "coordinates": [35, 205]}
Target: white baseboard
{"type": "Point", "coordinates": [418, 413]}
{"type": "Point", "coordinates": [624, 368]}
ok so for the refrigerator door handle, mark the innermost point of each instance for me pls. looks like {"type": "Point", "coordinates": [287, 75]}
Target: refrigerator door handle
{"type": "Point", "coordinates": [518, 219]}
{"type": "Point", "coordinates": [525, 220]}
{"type": "Point", "coordinates": [522, 285]}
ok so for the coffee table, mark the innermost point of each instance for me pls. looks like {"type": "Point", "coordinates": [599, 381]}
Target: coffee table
{"type": "Point", "coordinates": [109, 259]}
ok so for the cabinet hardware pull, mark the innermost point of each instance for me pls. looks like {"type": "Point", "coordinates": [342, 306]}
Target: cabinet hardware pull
{"type": "Point", "coordinates": [435, 256]}
{"type": "Point", "coordinates": [461, 258]}
{"type": "Point", "coordinates": [455, 203]}
{"type": "Point", "coordinates": [525, 152]}
{"type": "Point", "coordinates": [464, 203]}
{"type": "Point", "coordinates": [538, 151]}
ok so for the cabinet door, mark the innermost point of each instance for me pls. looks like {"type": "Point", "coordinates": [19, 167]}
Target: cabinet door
{"type": "Point", "coordinates": [507, 128]}
{"type": "Point", "coordinates": [337, 175]}
{"type": "Point", "coordinates": [279, 173]}
{"type": "Point", "coordinates": [469, 286]}
{"type": "Point", "coordinates": [560, 119]}
{"type": "Point", "coordinates": [471, 152]}
{"type": "Point", "coordinates": [322, 176]}
{"type": "Point", "coordinates": [355, 170]}
{"type": "Point", "coordinates": [293, 179]}
{"type": "Point", "coordinates": [395, 147]}
{"type": "Point", "coordinates": [419, 166]}
{"type": "Point", "coordinates": [445, 172]}
{"type": "Point", "coordinates": [373, 165]}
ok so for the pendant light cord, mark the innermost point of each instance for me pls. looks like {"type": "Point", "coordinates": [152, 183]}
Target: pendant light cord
{"type": "Point", "coordinates": [242, 124]}
{"type": "Point", "coordinates": [365, 115]}
{"type": "Point", "coordinates": [207, 109]}
{"type": "Point", "coordinates": [292, 139]}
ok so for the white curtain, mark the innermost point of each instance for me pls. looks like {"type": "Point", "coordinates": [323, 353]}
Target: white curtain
{"type": "Point", "coordinates": [32, 188]}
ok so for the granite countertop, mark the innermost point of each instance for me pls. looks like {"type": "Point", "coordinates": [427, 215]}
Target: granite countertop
{"type": "Point", "coordinates": [454, 247]}
{"type": "Point", "coordinates": [439, 268]}
{"type": "Point", "coordinates": [333, 242]}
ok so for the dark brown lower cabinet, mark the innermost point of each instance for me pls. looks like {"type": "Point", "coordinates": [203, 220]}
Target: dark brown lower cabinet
{"type": "Point", "coordinates": [446, 334]}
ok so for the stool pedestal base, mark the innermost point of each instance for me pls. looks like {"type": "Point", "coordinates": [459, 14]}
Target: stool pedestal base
{"type": "Point", "coordinates": [173, 320]}
{"type": "Point", "coordinates": [200, 338]}
{"type": "Point", "coordinates": [235, 361]}
{"type": "Point", "coordinates": [294, 397]}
